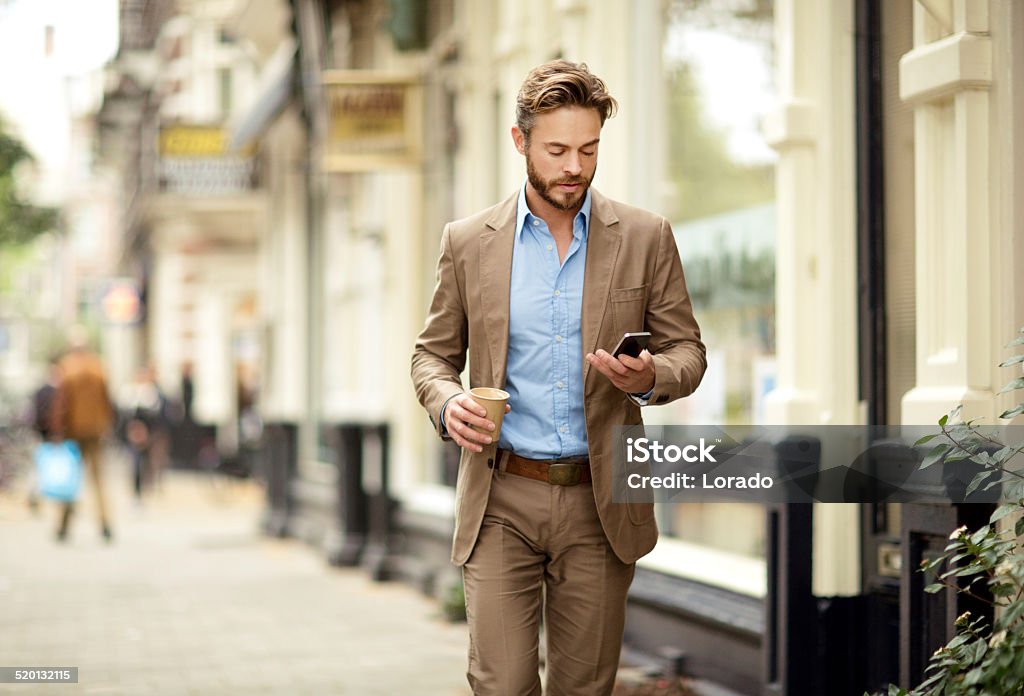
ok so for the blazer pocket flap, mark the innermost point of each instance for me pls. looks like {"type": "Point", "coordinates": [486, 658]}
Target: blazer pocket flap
{"type": "Point", "coordinates": [628, 294]}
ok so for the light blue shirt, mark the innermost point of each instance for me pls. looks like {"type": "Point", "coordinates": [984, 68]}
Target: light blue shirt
{"type": "Point", "coordinates": [544, 374]}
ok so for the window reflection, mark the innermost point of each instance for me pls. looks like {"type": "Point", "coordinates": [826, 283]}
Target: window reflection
{"type": "Point", "coordinates": [719, 68]}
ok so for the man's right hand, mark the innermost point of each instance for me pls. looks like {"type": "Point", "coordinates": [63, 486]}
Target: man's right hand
{"type": "Point", "coordinates": [461, 412]}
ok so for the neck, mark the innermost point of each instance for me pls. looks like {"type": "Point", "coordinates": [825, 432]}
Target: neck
{"type": "Point", "coordinates": [555, 217]}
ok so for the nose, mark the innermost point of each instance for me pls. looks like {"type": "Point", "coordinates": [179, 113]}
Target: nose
{"type": "Point", "coordinates": [573, 166]}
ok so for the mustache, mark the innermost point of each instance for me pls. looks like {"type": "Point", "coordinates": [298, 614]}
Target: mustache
{"type": "Point", "coordinates": [569, 181]}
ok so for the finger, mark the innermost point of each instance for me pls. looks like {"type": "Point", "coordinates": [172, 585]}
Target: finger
{"type": "Point", "coordinates": [507, 408]}
{"type": "Point", "coordinates": [611, 363]}
{"type": "Point", "coordinates": [467, 402]}
{"type": "Point", "coordinates": [599, 366]}
{"type": "Point", "coordinates": [472, 438]}
{"type": "Point", "coordinates": [469, 417]}
{"type": "Point", "coordinates": [465, 444]}
{"type": "Point", "coordinates": [635, 364]}
{"type": "Point", "coordinates": [469, 433]}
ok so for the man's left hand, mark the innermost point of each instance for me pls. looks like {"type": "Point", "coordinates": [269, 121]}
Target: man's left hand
{"type": "Point", "coordinates": [631, 375]}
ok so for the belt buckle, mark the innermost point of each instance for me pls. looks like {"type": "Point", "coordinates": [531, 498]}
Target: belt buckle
{"type": "Point", "coordinates": [562, 474]}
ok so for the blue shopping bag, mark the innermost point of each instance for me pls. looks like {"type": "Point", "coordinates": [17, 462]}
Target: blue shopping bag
{"type": "Point", "coordinates": [59, 470]}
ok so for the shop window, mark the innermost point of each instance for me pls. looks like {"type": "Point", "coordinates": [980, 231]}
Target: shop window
{"type": "Point", "coordinates": [719, 84]}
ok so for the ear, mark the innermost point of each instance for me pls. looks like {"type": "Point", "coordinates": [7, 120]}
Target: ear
{"type": "Point", "coordinates": [519, 138]}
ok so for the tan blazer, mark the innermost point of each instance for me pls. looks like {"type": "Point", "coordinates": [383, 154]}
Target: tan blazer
{"type": "Point", "coordinates": [633, 282]}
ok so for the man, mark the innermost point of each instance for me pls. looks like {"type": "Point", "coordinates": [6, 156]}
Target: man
{"type": "Point", "coordinates": [538, 288]}
{"type": "Point", "coordinates": [84, 413]}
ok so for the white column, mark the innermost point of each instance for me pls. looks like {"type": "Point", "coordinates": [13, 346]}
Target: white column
{"type": "Point", "coordinates": [214, 377]}
{"type": "Point", "coordinates": [816, 308]}
{"type": "Point", "coordinates": [946, 78]}
{"type": "Point", "coordinates": [404, 250]}
{"type": "Point", "coordinates": [283, 291]}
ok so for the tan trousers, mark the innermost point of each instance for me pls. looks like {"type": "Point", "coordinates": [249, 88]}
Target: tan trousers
{"type": "Point", "coordinates": [539, 538]}
{"type": "Point", "coordinates": [92, 450]}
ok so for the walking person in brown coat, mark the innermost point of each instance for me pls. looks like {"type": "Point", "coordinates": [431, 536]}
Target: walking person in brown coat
{"type": "Point", "coordinates": [84, 413]}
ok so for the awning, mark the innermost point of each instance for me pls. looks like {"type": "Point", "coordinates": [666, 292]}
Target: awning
{"type": "Point", "coordinates": [277, 85]}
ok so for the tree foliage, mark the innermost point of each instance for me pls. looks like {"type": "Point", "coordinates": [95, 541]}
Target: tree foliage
{"type": "Point", "coordinates": [707, 180]}
{"type": "Point", "coordinates": [20, 220]}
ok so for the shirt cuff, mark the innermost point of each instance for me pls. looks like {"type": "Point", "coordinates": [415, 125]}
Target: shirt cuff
{"type": "Point", "coordinates": [639, 399]}
{"type": "Point", "coordinates": [444, 425]}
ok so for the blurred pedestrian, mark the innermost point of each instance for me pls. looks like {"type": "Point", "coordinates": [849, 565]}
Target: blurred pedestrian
{"type": "Point", "coordinates": [537, 290]}
{"type": "Point", "coordinates": [42, 417]}
{"type": "Point", "coordinates": [188, 390]}
{"type": "Point", "coordinates": [43, 399]}
{"type": "Point", "coordinates": [83, 412]}
{"type": "Point", "coordinates": [147, 428]}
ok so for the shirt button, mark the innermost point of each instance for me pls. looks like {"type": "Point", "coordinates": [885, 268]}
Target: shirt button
{"type": "Point", "coordinates": [536, 222]}
{"type": "Point", "coordinates": [557, 293]}
{"type": "Point", "coordinates": [558, 339]}
{"type": "Point", "coordinates": [564, 429]}
{"type": "Point", "coordinates": [549, 247]}
{"type": "Point", "coordinates": [560, 385]}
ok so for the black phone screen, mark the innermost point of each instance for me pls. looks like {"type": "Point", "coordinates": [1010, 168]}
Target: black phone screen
{"type": "Point", "coordinates": [632, 344]}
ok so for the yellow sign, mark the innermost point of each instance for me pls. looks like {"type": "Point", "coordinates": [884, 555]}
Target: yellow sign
{"type": "Point", "coordinates": [194, 160]}
{"type": "Point", "coordinates": [192, 141]}
{"type": "Point", "coordinates": [373, 121]}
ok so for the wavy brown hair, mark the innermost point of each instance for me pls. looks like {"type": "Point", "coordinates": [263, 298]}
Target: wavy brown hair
{"type": "Point", "coordinates": [561, 83]}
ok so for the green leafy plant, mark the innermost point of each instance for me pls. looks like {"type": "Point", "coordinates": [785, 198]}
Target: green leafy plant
{"type": "Point", "coordinates": [984, 658]}
{"type": "Point", "coordinates": [453, 603]}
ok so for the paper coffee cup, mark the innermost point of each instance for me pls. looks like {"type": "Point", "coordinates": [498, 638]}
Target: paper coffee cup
{"type": "Point", "coordinates": [494, 401]}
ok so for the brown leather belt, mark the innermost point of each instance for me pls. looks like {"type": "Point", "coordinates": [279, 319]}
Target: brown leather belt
{"type": "Point", "coordinates": [557, 472]}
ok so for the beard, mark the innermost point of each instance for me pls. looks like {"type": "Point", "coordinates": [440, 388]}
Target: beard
{"type": "Point", "coordinates": [547, 189]}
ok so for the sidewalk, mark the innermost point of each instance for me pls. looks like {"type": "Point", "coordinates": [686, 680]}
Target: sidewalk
{"type": "Point", "coordinates": [191, 599]}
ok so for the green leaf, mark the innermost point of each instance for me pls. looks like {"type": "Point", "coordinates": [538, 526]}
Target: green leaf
{"type": "Point", "coordinates": [1002, 589]}
{"type": "Point", "coordinates": [934, 587]}
{"type": "Point", "coordinates": [979, 647]}
{"type": "Point", "coordinates": [1002, 455]}
{"type": "Point", "coordinates": [926, 439]}
{"type": "Point", "coordinates": [1018, 529]}
{"type": "Point", "coordinates": [1015, 411]}
{"type": "Point", "coordinates": [993, 483]}
{"type": "Point", "coordinates": [978, 479]}
{"type": "Point", "coordinates": [1004, 510]}
{"type": "Point", "coordinates": [934, 455]}
{"type": "Point", "coordinates": [983, 458]}
{"type": "Point", "coordinates": [1013, 385]}
{"type": "Point", "coordinates": [1015, 342]}
{"type": "Point", "coordinates": [944, 420]}
{"type": "Point", "coordinates": [1016, 491]}
{"type": "Point", "coordinates": [1013, 361]}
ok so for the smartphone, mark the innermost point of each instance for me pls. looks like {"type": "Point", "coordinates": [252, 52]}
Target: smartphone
{"type": "Point", "coordinates": [631, 344]}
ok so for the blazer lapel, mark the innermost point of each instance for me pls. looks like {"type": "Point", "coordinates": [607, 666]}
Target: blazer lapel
{"type": "Point", "coordinates": [496, 244]}
{"type": "Point", "coordinates": [602, 249]}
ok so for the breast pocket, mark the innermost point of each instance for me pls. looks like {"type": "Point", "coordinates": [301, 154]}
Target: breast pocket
{"type": "Point", "coordinates": [628, 307]}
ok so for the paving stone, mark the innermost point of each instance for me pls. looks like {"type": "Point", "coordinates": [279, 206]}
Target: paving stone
{"type": "Point", "coordinates": [192, 599]}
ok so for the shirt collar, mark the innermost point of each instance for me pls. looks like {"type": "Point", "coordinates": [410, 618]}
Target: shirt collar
{"type": "Point", "coordinates": [523, 214]}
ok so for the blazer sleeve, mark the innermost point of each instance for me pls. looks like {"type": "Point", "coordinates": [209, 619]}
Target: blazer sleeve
{"type": "Point", "coordinates": [679, 355]}
{"type": "Point", "coordinates": [439, 356]}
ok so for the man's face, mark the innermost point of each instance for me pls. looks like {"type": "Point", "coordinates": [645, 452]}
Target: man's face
{"type": "Point", "coordinates": [561, 157]}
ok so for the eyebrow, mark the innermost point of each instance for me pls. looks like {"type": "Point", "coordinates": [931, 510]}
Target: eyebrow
{"type": "Point", "coordinates": [554, 143]}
